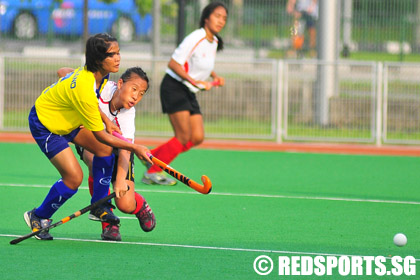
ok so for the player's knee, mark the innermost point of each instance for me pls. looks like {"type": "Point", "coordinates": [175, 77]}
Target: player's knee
{"type": "Point", "coordinates": [197, 140]}
{"type": "Point", "coordinates": [125, 209]}
{"type": "Point", "coordinates": [74, 180]}
{"type": "Point", "coordinates": [103, 150]}
{"type": "Point", "coordinates": [124, 206]}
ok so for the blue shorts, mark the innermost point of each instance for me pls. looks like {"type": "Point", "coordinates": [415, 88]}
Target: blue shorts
{"type": "Point", "coordinates": [51, 144]}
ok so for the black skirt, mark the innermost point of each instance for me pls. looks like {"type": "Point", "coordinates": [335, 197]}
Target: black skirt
{"type": "Point", "coordinates": [175, 97]}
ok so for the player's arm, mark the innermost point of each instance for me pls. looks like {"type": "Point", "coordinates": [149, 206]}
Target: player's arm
{"type": "Point", "coordinates": [110, 126]}
{"type": "Point", "coordinates": [64, 71]}
{"type": "Point", "coordinates": [92, 121]}
{"type": "Point", "coordinates": [290, 7]}
{"type": "Point", "coordinates": [110, 140]}
{"type": "Point", "coordinates": [120, 185]}
{"type": "Point", "coordinates": [179, 70]}
{"type": "Point", "coordinates": [219, 81]}
{"type": "Point", "coordinates": [312, 7]}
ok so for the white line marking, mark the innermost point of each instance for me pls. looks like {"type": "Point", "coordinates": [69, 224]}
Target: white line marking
{"type": "Point", "coordinates": [199, 247]}
{"type": "Point", "coordinates": [245, 195]}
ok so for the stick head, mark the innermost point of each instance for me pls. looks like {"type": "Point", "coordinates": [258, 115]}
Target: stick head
{"type": "Point", "coordinates": [207, 184]}
{"type": "Point", "coordinates": [14, 241]}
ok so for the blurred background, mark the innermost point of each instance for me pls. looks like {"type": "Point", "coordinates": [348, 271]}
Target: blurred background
{"type": "Point", "coordinates": [358, 84]}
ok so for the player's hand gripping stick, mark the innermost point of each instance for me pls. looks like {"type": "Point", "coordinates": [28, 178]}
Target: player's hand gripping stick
{"type": "Point", "coordinates": [204, 189]}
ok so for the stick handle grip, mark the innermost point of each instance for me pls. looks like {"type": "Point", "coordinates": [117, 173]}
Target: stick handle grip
{"type": "Point", "coordinates": [116, 134]}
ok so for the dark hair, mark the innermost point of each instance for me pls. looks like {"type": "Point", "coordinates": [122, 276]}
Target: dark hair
{"type": "Point", "coordinates": [96, 50]}
{"type": "Point", "coordinates": [135, 70]}
{"type": "Point", "coordinates": [205, 14]}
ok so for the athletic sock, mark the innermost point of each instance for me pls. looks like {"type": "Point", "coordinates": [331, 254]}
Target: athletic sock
{"type": "Point", "coordinates": [187, 146]}
{"type": "Point", "coordinates": [167, 153]}
{"type": "Point", "coordinates": [102, 174]}
{"type": "Point", "coordinates": [58, 194]}
{"type": "Point", "coordinates": [139, 203]}
{"type": "Point", "coordinates": [90, 183]}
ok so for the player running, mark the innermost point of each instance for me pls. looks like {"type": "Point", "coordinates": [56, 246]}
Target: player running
{"type": "Point", "coordinates": [190, 66]}
{"type": "Point", "coordinates": [56, 119]}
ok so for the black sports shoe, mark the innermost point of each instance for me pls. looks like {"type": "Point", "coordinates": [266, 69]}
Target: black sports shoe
{"type": "Point", "coordinates": [104, 213]}
{"type": "Point", "coordinates": [146, 217]}
{"type": "Point", "coordinates": [36, 224]}
{"type": "Point", "coordinates": [111, 232]}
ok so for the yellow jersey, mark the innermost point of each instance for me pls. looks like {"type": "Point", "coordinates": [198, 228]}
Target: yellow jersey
{"type": "Point", "coordinates": [69, 103]}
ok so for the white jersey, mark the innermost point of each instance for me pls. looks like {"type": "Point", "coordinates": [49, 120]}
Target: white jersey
{"type": "Point", "coordinates": [305, 5]}
{"type": "Point", "coordinates": [196, 54]}
{"type": "Point", "coordinates": [124, 119]}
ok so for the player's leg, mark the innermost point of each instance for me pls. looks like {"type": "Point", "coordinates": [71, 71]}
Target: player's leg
{"type": "Point", "coordinates": [57, 150]}
{"type": "Point", "coordinates": [312, 41]}
{"type": "Point", "coordinates": [102, 166]}
{"type": "Point", "coordinates": [168, 151]}
{"type": "Point", "coordinates": [71, 178]}
{"type": "Point", "coordinates": [310, 22]}
{"type": "Point", "coordinates": [87, 158]}
{"type": "Point", "coordinates": [134, 203]}
{"type": "Point", "coordinates": [197, 131]}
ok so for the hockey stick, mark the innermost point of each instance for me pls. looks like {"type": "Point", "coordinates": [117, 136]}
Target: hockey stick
{"type": "Point", "coordinates": [198, 87]}
{"type": "Point", "coordinates": [204, 189]}
{"type": "Point", "coordinates": [66, 219]}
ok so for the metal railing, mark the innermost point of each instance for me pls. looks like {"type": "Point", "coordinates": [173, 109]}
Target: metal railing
{"type": "Point", "coordinates": [276, 100]}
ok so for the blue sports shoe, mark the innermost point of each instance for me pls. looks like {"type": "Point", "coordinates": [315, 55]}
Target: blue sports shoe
{"type": "Point", "coordinates": [36, 224]}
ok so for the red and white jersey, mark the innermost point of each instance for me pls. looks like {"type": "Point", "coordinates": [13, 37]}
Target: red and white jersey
{"type": "Point", "coordinates": [196, 54]}
{"type": "Point", "coordinates": [124, 119]}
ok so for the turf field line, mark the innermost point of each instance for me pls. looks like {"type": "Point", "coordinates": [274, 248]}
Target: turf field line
{"type": "Point", "coordinates": [201, 247]}
{"type": "Point", "coordinates": [31, 185]}
{"type": "Point", "coordinates": [247, 195]}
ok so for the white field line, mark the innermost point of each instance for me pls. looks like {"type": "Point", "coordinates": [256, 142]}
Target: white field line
{"type": "Point", "coordinates": [245, 195]}
{"type": "Point", "coordinates": [200, 247]}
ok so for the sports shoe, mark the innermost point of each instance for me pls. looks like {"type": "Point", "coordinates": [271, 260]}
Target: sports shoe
{"type": "Point", "coordinates": [36, 224]}
{"type": "Point", "coordinates": [111, 232]}
{"type": "Point", "coordinates": [146, 217]}
{"type": "Point", "coordinates": [158, 178]}
{"type": "Point", "coordinates": [103, 213]}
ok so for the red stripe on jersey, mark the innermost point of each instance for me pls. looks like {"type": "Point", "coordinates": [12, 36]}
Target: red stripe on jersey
{"type": "Point", "coordinates": [117, 123]}
{"type": "Point", "coordinates": [104, 102]}
{"type": "Point", "coordinates": [186, 66]}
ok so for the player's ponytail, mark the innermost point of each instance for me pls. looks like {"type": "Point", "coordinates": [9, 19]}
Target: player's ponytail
{"type": "Point", "coordinates": [220, 44]}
